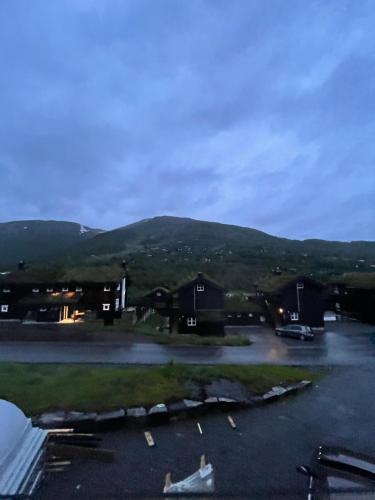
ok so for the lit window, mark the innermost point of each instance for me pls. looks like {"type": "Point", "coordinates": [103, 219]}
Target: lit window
{"type": "Point", "coordinates": [106, 307]}
{"type": "Point", "coordinates": [78, 289]}
{"type": "Point", "coordinates": [200, 288]}
{"type": "Point", "coordinates": [49, 289]}
{"type": "Point", "coordinates": [65, 289]}
{"type": "Point", "coordinates": [107, 288]}
{"type": "Point", "coordinates": [35, 290]}
{"type": "Point", "coordinates": [4, 308]}
{"type": "Point", "coordinates": [191, 322]}
{"type": "Point", "coordinates": [6, 290]}
{"type": "Point", "coordinates": [294, 316]}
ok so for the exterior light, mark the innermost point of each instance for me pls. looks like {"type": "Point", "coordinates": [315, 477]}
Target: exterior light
{"type": "Point", "coordinates": [281, 310]}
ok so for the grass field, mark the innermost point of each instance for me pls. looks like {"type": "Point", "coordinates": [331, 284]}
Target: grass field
{"type": "Point", "coordinates": [37, 388]}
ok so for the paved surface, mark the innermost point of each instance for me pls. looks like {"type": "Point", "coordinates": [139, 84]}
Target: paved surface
{"type": "Point", "coordinates": [256, 461]}
{"type": "Point", "coordinates": [340, 344]}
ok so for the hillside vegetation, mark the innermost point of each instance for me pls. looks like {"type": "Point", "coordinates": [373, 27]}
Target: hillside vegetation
{"type": "Point", "coordinates": [165, 250]}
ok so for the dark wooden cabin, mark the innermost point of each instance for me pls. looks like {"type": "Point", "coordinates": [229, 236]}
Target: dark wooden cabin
{"type": "Point", "coordinates": [241, 310]}
{"type": "Point", "coordinates": [60, 295]}
{"type": "Point", "coordinates": [198, 307]}
{"type": "Point", "coordinates": [291, 299]}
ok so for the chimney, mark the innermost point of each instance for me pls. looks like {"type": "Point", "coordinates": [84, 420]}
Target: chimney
{"type": "Point", "coordinates": [21, 265]}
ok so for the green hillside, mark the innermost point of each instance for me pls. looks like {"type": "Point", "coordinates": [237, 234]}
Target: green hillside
{"type": "Point", "coordinates": [35, 239]}
{"type": "Point", "coordinates": [165, 250]}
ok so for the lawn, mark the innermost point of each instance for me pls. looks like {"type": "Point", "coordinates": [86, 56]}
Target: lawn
{"type": "Point", "coordinates": [37, 388]}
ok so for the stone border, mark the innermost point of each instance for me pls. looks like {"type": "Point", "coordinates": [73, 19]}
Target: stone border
{"type": "Point", "coordinates": [157, 414]}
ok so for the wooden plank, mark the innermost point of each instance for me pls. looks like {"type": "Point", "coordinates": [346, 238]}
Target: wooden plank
{"type": "Point", "coordinates": [72, 451]}
{"type": "Point", "coordinates": [232, 422]}
{"type": "Point", "coordinates": [149, 439]}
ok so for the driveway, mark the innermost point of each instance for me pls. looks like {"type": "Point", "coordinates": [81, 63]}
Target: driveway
{"type": "Point", "coordinates": [257, 460]}
{"type": "Point", "coordinates": [340, 344]}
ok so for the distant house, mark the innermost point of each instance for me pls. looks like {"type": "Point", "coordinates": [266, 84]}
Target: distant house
{"type": "Point", "coordinates": [63, 295]}
{"type": "Point", "coordinates": [198, 307]}
{"type": "Point", "coordinates": [293, 300]}
{"type": "Point", "coordinates": [239, 310]}
{"type": "Point", "coordinates": [353, 295]}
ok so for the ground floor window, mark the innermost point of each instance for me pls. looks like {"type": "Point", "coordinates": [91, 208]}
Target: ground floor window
{"type": "Point", "coordinates": [106, 307]}
{"type": "Point", "coordinates": [191, 321]}
{"type": "Point", "coordinates": [4, 308]}
{"type": "Point", "coordinates": [294, 316]}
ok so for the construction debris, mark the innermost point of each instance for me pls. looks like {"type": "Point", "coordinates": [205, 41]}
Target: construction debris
{"type": "Point", "coordinates": [201, 481]}
{"type": "Point", "coordinates": [232, 423]}
{"type": "Point", "coordinates": [149, 439]}
{"type": "Point", "coordinates": [199, 428]}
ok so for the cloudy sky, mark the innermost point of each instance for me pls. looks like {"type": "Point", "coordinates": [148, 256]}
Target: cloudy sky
{"type": "Point", "coordinates": [257, 113]}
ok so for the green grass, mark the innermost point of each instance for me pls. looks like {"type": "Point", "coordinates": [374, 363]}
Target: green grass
{"type": "Point", "coordinates": [37, 388]}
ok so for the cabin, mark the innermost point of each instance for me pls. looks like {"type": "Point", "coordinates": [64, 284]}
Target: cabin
{"type": "Point", "coordinates": [241, 310]}
{"type": "Point", "coordinates": [63, 295]}
{"type": "Point", "coordinates": [291, 299]}
{"type": "Point", "coordinates": [198, 307]}
{"type": "Point", "coordinates": [352, 295]}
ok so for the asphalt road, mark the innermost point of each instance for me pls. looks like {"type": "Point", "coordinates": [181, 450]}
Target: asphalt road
{"type": "Point", "coordinates": [340, 344]}
{"type": "Point", "coordinates": [257, 460]}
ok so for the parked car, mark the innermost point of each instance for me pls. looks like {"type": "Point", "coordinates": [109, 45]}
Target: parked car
{"type": "Point", "coordinates": [301, 332]}
{"type": "Point", "coordinates": [339, 473]}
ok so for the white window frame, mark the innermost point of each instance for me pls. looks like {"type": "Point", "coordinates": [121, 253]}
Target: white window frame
{"type": "Point", "coordinates": [117, 304]}
{"type": "Point", "coordinates": [107, 288]}
{"type": "Point", "coordinates": [35, 290]}
{"type": "Point", "coordinates": [294, 316]}
{"type": "Point", "coordinates": [4, 308]}
{"type": "Point", "coordinates": [78, 289]}
{"type": "Point", "coordinates": [6, 290]}
{"type": "Point", "coordinates": [250, 315]}
{"type": "Point", "coordinates": [65, 289]}
{"type": "Point", "coordinates": [106, 307]}
{"type": "Point", "coordinates": [190, 321]}
{"type": "Point", "coordinates": [200, 287]}
{"type": "Point", "coordinates": [300, 285]}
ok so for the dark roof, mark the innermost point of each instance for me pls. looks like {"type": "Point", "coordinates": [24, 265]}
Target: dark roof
{"type": "Point", "coordinates": [274, 284]}
{"type": "Point", "coordinates": [88, 274]}
{"type": "Point", "coordinates": [200, 277]}
{"type": "Point", "coordinates": [158, 289]}
{"type": "Point", "coordinates": [51, 299]}
{"type": "Point", "coordinates": [355, 280]}
{"type": "Point", "coordinates": [240, 304]}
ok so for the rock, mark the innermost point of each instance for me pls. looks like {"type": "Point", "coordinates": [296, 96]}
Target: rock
{"type": "Point", "coordinates": [110, 415]}
{"type": "Point", "coordinates": [76, 416]}
{"type": "Point", "coordinates": [189, 403]}
{"type": "Point", "coordinates": [159, 408]}
{"type": "Point", "coordinates": [136, 412]}
{"type": "Point", "coordinates": [211, 400]}
{"type": "Point", "coordinates": [51, 419]}
{"type": "Point", "coordinates": [227, 400]}
{"type": "Point", "coordinates": [179, 406]}
{"type": "Point", "coordinates": [227, 389]}
{"type": "Point", "coordinates": [278, 390]}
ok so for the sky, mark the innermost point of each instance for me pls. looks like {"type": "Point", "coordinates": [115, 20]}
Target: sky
{"type": "Point", "coordinates": [256, 113]}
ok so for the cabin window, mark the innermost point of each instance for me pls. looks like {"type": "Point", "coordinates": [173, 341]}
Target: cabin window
{"type": "Point", "coordinates": [43, 309]}
{"type": "Point", "coordinates": [107, 288]}
{"type": "Point", "coordinates": [229, 315]}
{"type": "Point", "coordinates": [200, 288]}
{"type": "Point", "coordinates": [78, 289]}
{"type": "Point", "coordinates": [158, 294]}
{"type": "Point", "coordinates": [239, 315]}
{"type": "Point", "coordinates": [4, 308]}
{"type": "Point", "coordinates": [300, 285]}
{"type": "Point", "coordinates": [250, 315]}
{"type": "Point", "coordinates": [49, 290]}
{"type": "Point", "coordinates": [65, 289]}
{"type": "Point", "coordinates": [6, 290]}
{"type": "Point", "coordinates": [294, 316]}
{"type": "Point", "coordinates": [106, 307]}
{"type": "Point", "coordinates": [336, 290]}
{"type": "Point", "coordinates": [191, 322]}
{"type": "Point", "coordinates": [338, 306]}
{"type": "Point", "coordinates": [35, 290]}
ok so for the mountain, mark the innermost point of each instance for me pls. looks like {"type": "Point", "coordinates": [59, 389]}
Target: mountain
{"type": "Point", "coordinates": [164, 250]}
{"type": "Point", "coordinates": [31, 239]}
